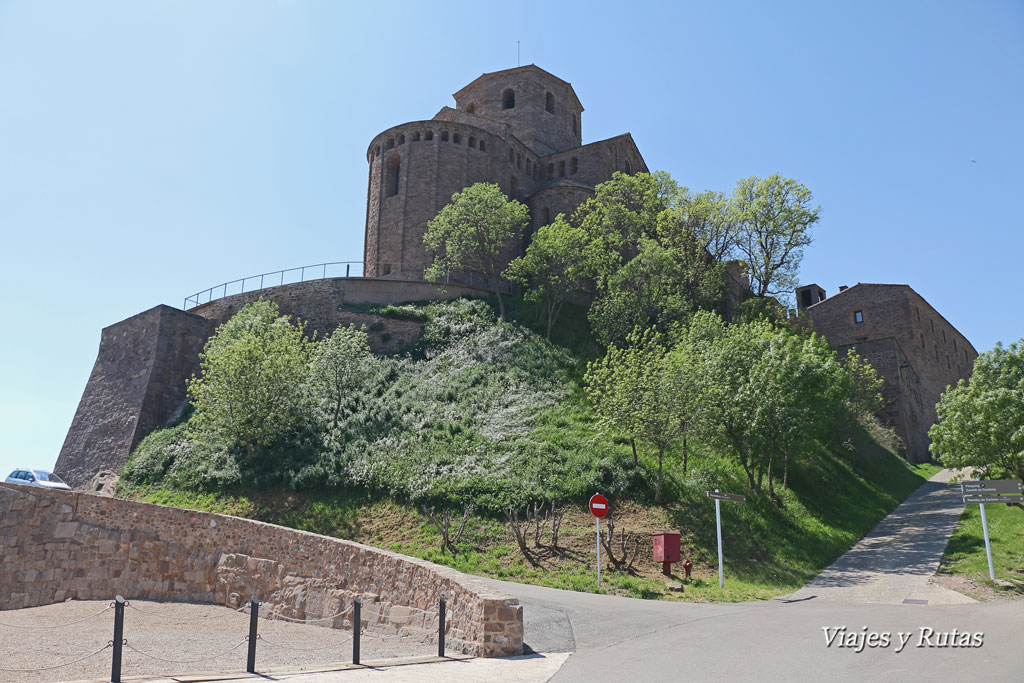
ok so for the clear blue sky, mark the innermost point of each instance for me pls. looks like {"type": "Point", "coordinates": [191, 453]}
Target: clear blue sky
{"type": "Point", "coordinates": [152, 149]}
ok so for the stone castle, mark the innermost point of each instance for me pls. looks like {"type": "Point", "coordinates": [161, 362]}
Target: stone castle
{"type": "Point", "coordinates": [915, 350]}
{"type": "Point", "coordinates": [520, 128]}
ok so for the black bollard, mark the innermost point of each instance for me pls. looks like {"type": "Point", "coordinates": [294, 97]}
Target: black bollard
{"type": "Point", "coordinates": [254, 617]}
{"type": "Point", "coordinates": [356, 621]}
{"type": "Point", "coordinates": [115, 664]}
{"type": "Point", "coordinates": [440, 629]}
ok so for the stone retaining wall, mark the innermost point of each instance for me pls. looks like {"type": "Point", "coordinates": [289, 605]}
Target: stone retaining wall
{"type": "Point", "coordinates": [56, 545]}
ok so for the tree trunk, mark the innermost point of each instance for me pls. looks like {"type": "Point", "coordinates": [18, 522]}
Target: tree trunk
{"type": "Point", "coordinates": [785, 471]}
{"type": "Point", "coordinates": [657, 490]}
{"type": "Point", "coordinates": [636, 460]}
{"type": "Point", "coordinates": [684, 453]}
{"type": "Point", "coordinates": [771, 482]}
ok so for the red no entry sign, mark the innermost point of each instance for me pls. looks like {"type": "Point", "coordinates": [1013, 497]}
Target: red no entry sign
{"type": "Point", "coordinates": [598, 505]}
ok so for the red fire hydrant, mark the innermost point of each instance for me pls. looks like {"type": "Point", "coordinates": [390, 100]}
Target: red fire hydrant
{"type": "Point", "coordinates": [666, 550]}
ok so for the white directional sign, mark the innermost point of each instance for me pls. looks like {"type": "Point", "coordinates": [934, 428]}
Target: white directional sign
{"type": "Point", "coordinates": [992, 491]}
{"type": "Point", "coordinates": [718, 497]}
{"type": "Point", "coordinates": [995, 486]}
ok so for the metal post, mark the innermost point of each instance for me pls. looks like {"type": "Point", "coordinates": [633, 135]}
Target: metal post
{"type": "Point", "coordinates": [718, 523]}
{"type": "Point", "coordinates": [356, 623]}
{"type": "Point", "coordinates": [347, 266]}
{"type": "Point", "coordinates": [254, 618]}
{"type": "Point", "coordinates": [440, 629]}
{"type": "Point", "coordinates": [988, 544]}
{"type": "Point", "coordinates": [598, 520]}
{"type": "Point", "coordinates": [115, 663]}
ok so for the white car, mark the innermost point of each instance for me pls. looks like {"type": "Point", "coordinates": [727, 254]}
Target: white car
{"type": "Point", "coordinates": [41, 478]}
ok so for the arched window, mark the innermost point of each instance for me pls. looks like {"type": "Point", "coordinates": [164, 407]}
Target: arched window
{"type": "Point", "coordinates": [401, 139]}
{"type": "Point", "coordinates": [628, 167]}
{"type": "Point", "coordinates": [472, 142]}
{"type": "Point", "coordinates": [551, 171]}
{"type": "Point", "coordinates": [545, 216]}
{"type": "Point", "coordinates": [391, 175]}
{"type": "Point", "coordinates": [471, 108]}
{"type": "Point", "coordinates": [483, 147]}
{"type": "Point", "coordinates": [508, 99]}
{"type": "Point", "coordinates": [390, 144]}
{"type": "Point", "coordinates": [574, 166]}
{"type": "Point", "coordinates": [429, 135]}
{"type": "Point", "coordinates": [561, 169]}
{"type": "Point", "coordinates": [549, 103]}
{"type": "Point", "coordinates": [416, 136]}
{"type": "Point", "coordinates": [457, 139]}
{"type": "Point", "coordinates": [519, 161]}
{"type": "Point", "coordinates": [444, 136]}
{"type": "Point", "coordinates": [511, 156]}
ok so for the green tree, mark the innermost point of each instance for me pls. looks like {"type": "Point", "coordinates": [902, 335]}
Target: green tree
{"type": "Point", "coordinates": [340, 368]}
{"type": "Point", "coordinates": [553, 270]}
{"type": "Point", "coordinates": [774, 219]}
{"type": "Point", "coordinates": [252, 379]}
{"type": "Point", "coordinates": [632, 391]}
{"type": "Point", "coordinates": [476, 231]}
{"type": "Point", "coordinates": [981, 422]}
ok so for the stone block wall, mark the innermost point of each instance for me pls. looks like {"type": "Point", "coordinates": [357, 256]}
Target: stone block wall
{"type": "Point", "coordinates": [56, 545]}
{"type": "Point", "coordinates": [137, 383]}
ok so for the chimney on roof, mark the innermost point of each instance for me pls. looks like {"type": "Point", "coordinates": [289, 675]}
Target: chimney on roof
{"type": "Point", "coordinates": [808, 295]}
{"type": "Point", "coordinates": [843, 288]}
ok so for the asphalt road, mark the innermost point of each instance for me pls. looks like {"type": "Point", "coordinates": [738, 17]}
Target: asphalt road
{"type": "Point", "coordinates": [616, 639]}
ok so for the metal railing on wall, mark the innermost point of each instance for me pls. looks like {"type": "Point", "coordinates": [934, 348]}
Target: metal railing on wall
{"type": "Point", "coordinates": [321, 271]}
{"type": "Point", "coordinates": [276, 278]}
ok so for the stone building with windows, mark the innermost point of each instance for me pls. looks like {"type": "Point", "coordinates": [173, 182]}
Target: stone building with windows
{"type": "Point", "coordinates": [520, 128]}
{"type": "Point", "coordinates": [915, 350]}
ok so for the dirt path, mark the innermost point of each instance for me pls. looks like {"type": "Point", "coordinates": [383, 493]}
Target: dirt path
{"type": "Point", "coordinates": [897, 561]}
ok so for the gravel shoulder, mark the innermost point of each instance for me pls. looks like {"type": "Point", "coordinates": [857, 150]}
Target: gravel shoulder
{"type": "Point", "coordinates": [171, 631]}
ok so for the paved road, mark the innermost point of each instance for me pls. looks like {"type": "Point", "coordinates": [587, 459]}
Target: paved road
{"type": "Point", "coordinates": [784, 640]}
{"type": "Point", "coordinates": [895, 562]}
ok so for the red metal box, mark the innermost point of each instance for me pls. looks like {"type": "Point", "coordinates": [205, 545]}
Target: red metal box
{"type": "Point", "coordinates": [666, 547]}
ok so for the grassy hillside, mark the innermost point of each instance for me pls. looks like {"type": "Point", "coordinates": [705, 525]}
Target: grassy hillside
{"type": "Point", "coordinates": [965, 554]}
{"type": "Point", "coordinates": [491, 414]}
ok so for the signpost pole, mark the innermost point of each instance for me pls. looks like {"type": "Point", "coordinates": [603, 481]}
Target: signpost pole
{"type": "Point", "coordinates": [988, 544]}
{"type": "Point", "coordinates": [598, 520]}
{"type": "Point", "coordinates": [718, 523]}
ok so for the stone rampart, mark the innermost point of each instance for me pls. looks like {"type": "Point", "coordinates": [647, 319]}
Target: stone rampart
{"type": "Point", "coordinates": [56, 545]}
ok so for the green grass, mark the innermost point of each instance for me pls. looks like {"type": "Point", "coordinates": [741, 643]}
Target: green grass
{"type": "Point", "coordinates": [965, 554]}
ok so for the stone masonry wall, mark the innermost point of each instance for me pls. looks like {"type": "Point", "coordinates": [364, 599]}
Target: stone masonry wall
{"type": "Point", "coordinates": [56, 545]}
{"type": "Point", "coordinates": [137, 383]}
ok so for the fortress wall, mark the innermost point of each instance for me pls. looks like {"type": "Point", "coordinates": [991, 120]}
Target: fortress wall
{"type": "Point", "coordinates": [137, 383]}
{"type": "Point", "coordinates": [56, 545]}
{"type": "Point", "coordinates": [138, 380]}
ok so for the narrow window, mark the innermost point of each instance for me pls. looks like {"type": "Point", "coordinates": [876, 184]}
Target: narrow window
{"type": "Point", "coordinates": [444, 136]}
{"type": "Point", "coordinates": [574, 124]}
{"type": "Point", "coordinates": [561, 169]}
{"type": "Point", "coordinates": [549, 103]}
{"type": "Point", "coordinates": [575, 166]}
{"type": "Point", "coordinates": [508, 99]}
{"type": "Point", "coordinates": [858, 316]}
{"type": "Point", "coordinates": [390, 144]}
{"type": "Point", "coordinates": [528, 166]}
{"type": "Point", "coordinates": [401, 139]}
{"type": "Point", "coordinates": [943, 336]}
{"type": "Point", "coordinates": [457, 139]}
{"type": "Point", "coordinates": [519, 161]}
{"type": "Point", "coordinates": [546, 216]}
{"type": "Point", "coordinates": [483, 147]}
{"type": "Point", "coordinates": [628, 168]}
{"type": "Point", "coordinates": [385, 269]}
{"type": "Point", "coordinates": [471, 108]}
{"type": "Point", "coordinates": [936, 353]}
{"type": "Point", "coordinates": [515, 187]}
{"type": "Point", "coordinates": [429, 135]}
{"type": "Point", "coordinates": [954, 345]}
{"type": "Point", "coordinates": [536, 172]}
{"type": "Point", "coordinates": [378, 150]}
{"type": "Point", "coordinates": [551, 171]}
{"type": "Point", "coordinates": [922, 341]}
{"type": "Point", "coordinates": [511, 156]}
{"type": "Point", "coordinates": [472, 142]}
{"type": "Point", "coordinates": [391, 175]}
{"type": "Point", "coordinates": [416, 136]}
